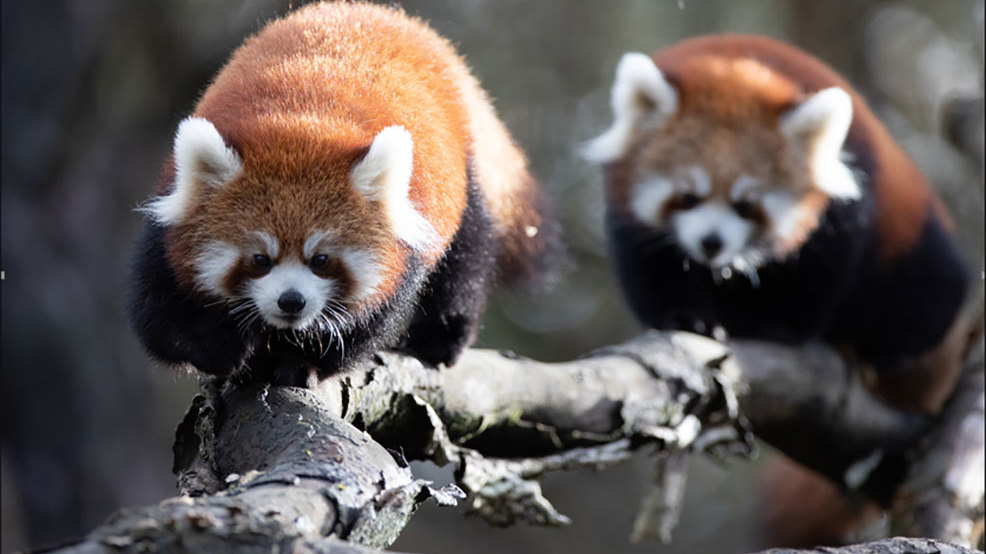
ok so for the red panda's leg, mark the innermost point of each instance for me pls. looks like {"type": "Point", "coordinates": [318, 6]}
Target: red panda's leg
{"type": "Point", "coordinates": [919, 330]}
{"type": "Point", "coordinates": [447, 318]}
{"type": "Point", "coordinates": [799, 508]}
{"type": "Point", "coordinates": [802, 508]}
{"type": "Point", "coordinates": [174, 325]}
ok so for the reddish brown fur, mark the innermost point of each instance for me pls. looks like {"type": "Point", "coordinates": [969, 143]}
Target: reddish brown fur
{"type": "Point", "coordinates": [733, 88]}
{"type": "Point", "coordinates": [302, 101]}
{"type": "Point", "coordinates": [802, 509]}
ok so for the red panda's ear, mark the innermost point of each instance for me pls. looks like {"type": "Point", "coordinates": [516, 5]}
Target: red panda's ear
{"type": "Point", "coordinates": [640, 95]}
{"type": "Point", "coordinates": [384, 176]}
{"type": "Point", "coordinates": [202, 159]}
{"type": "Point", "coordinates": [817, 128]}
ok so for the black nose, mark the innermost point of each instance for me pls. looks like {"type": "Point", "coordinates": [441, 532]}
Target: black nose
{"type": "Point", "coordinates": [291, 302]}
{"type": "Point", "coordinates": [711, 244]}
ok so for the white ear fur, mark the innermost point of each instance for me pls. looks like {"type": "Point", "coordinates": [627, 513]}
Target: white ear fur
{"type": "Point", "coordinates": [822, 120]}
{"type": "Point", "coordinates": [640, 91]}
{"type": "Point", "coordinates": [818, 126]}
{"type": "Point", "coordinates": [384, 176]}
{"type": "Point", "coordinates": [201, 158]}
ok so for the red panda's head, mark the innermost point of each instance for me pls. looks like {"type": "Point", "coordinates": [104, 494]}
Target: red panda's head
{"type": "Point", "coordinates": [734, 160]}
{"type": "Point", "coordinates": [298, 242]}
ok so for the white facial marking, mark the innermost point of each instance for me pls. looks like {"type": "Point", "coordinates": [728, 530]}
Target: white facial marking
{"type": "Point", "coordinates": [365, 271]}
{"type": "Point", "coordinates": [648, 196]}
{"type": "Point", "coordinates": [384, 176]}
{"type": "Point", "coordinates": [201, 158]}
{"type": "Point", "coordinates": [640, 92]}
{"type": "Point", "coordinates": [712, 218]}
{"type": "Point", "coordinates": [213, 264]}
{"type": "Point", "coordinates": [313, 241]}
{"type": "Point", "coordinates": [271, 246]}
{"type": "Point", "coordinates": [701, 184]}
{"type": "Point", "coordinates": [267, 290]}
{"type": "Point", "coordinates": [743, 188]}
{"type": "Point", "coordinates": [784, 212]}
{"type": "Point", "coordinates": [818, 126]}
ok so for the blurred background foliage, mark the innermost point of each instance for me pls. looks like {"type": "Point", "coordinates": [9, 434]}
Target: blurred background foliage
{"type": "Point", "coordinates": [92, 93]}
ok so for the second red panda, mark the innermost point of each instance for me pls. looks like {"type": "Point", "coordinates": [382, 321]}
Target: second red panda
{"type": "Point", "coordinates": [343, 185]}
{"type": "Point", "coordinates": [750, 188]}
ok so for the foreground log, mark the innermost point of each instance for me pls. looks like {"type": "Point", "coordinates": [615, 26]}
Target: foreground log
{"type": "Point", "coordinates": [898, 545]}
{"type": "Point", "coordinates": [276, 467]}
{"type": "Point", "coordinates": [294, 477]}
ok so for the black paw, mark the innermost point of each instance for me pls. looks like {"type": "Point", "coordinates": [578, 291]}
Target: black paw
{"type": "Point", "coordinates": [441, 342]}
{"type": "Point", "coordinates": [277, 362]}
{"type": "Point", "coordinates": [220, 357]}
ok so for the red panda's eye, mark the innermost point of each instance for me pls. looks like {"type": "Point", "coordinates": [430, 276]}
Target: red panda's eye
{"type": "Point", "coordinates": [261, 262]}
{"type": "Point", "coordinates": [744, 208]}
{"type": "Point", "coordinates": [688, 200]}
{"type": "Point", "coordinates": [318, 262]}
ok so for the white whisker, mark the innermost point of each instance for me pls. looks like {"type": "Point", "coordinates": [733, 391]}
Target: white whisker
{"type": "Point", "coordinates": [749, 269]}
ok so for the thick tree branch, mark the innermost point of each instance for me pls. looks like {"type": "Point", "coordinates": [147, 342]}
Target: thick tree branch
{"type": "Point", "coordinates": [505, 420]}
{"type": "Point", "coordinates": [290, 467]}
{"type": "Point", "coordinates": [897, 545]}
{"type": "Point", "coordinates": [280, 473]}
{"type": "Point", "coordinates": [942, 495]}
{"type": "Point", "coordinates": [812, 405]}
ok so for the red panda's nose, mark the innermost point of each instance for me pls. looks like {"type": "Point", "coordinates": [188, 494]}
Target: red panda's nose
{"type": "Point", "coordinates": [711, 244]}
{"type": "Point", "coordinates": [291, 302]}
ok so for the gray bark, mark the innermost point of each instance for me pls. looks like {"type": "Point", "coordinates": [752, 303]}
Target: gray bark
{"type": "Point", "coordinates": [897, 545]}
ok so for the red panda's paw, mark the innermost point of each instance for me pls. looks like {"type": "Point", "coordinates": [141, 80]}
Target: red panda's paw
{"type": "Point", "coordinates": [222, 354]}
{"type": "Point", "coordinates": [272, 363]}
{"type": "Point", "coordinates": [219, 357]}
{"type": "Point", "coordinates": [441, 341]}
{"type": "Point", "coordinates": [292, 372]}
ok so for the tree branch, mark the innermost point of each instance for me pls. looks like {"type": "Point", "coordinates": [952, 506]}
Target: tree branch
{"type": "Point", "coordinates": [292, 475]}
{"type": "Point", "coordinates": [897, 545]}
{"type": "Point", "coordinates": [276, 466]}
{"type": "Point", "coordinates": [942, 495]}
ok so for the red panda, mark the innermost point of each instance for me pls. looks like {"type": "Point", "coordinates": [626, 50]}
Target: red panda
{"type": "Point", "coordinates": [750, 189]}
{"type": "Point", "coordinates": [342, 186]}
{"type": "Point", "coordinates": [752, 193]}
